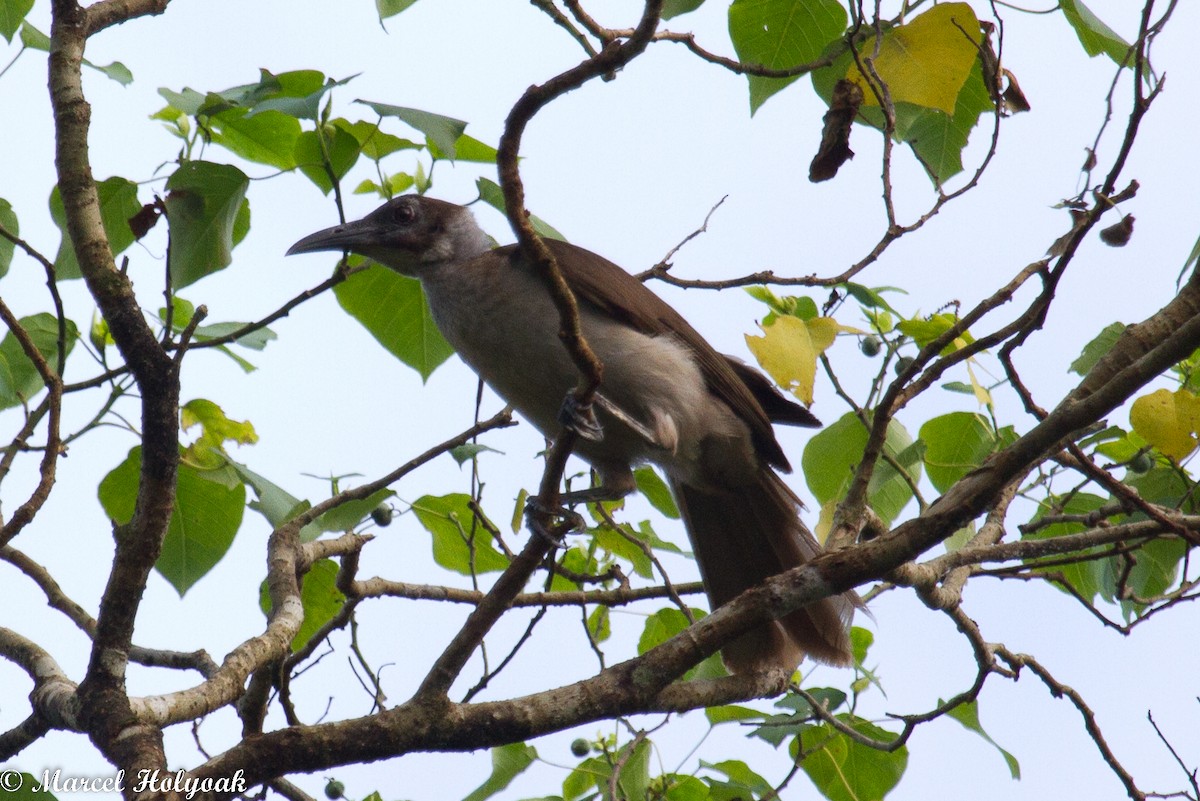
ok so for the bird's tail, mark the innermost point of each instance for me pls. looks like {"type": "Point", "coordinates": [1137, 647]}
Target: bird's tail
{"type": "Point", "coordinates": [748, 535]}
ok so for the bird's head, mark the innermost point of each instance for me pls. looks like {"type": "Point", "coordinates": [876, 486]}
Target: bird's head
{"type": "Point", "coordinates": [409, 234]}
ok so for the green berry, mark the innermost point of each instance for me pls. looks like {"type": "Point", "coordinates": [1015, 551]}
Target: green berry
{"type": "Point", "coordinates": [382, 516]}
{"type": "Point", "coordinates": [334, 790]}
{"type": "Point", "coordinates": [1142, 463]}
{"type": "Point", "coordinates": [903, 363]}
{"type": "Point", "coordinates": [580, 747]}
{"type": "Point", "coordinates": [870, 346]}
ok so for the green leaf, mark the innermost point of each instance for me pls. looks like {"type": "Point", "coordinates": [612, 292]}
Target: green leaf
{"type": "Point", "coordinates": [861, 641]}
{"type": "Point", "coordinates": [968, 715]}
{"type": "Point", "coordinates": [347, 516]}
{"type": "Point", "coordinates": [678, 787]}
{"type": "Point", "coordinates": [116, 71]}
{"type": "Point", "coordinates": [466, 148]}
{"type": "Point", "coordinates": [798, 717]}
{"type": "Point", "coordinates": [872, 298]}
{"type": "Point", "coordinates": [611, 540]}
{"type": "Point", "coordinates": [650, 484]}
{"type": "Point", "coordinates": [390, 8]}
{"type": "Point", "coordinates": [1154, 572]}
{"type": "Point", "coordinates": [207, 515]}
{"type": "Point", "coordinates": [297, 93]}
{"type": "Point", "coordinates": [1094, 35]}
{"type": "Point", "coordinates": [731, 713]}
{"type": "Point", "coordinates": [831, 457]}
{"type": "Point", "coordinates": [741, 783]}
{"type": "Point", "coordinates": [340, 146]}
{"type": "Point", "coordinates": [633, 781]}
{"type": "Point", "coordinates": [1095, 350]}
{"type": "Point", "coordinates": [599, 623]}
{"type": "Point", "coordinates": [665, 624]}
{"type": "Point", "coordinates": [845, 770]}
{"type": "Point", "coordinates": [1086, 577]}
{"type": "Point", "coordinates": [374, 142]}
{"type": "Point", "coordinates": [466, 452]}
{"type": "Point", "coordinates": [8, 221]}
{"type": "Point", "coordinates": [646, 534]}
{"type": "Point", "coordinates": [925, 331]}
{"type": "Point", "coordinates": [1156, 564]}
{"type": "Point", "coordinates": [118, 202]}
{"type": "Point", "coordinates": [442, 131]}
{"type": "Point", "coordinates": [491, 194]}
{"type": "Point", "coordinates": [255, 340]}
{"type": "Point", "coordinates": [588, 774]}
{"type": "Point", "coordinates": [203, 203]}
{"type": "Point", "coordinates": [938, 139]}
{"type": "Point", "coordinates": [274, 503]}
{"type": "Point", "coordinates": [459, 542]}
{"type": "Point", "coordinates": [207, 452]}
{"type": "Point", "coordinates": [957, 443]}
{"type": "Point", "coordinates": [579, 559]}
{"type": "Point", "coordinates": [12, 13]}
{"type": "Point", "coordinates": [265, 138]}
{"type": "Point", "coordinates": [319, 595]}
{"type": "Point", "coordinates": [674, 8]}
{"type": "Point", "coordinates": [780, 34]}
{"type": "Point", "coordinates": [19, 379]}
{"type": "Point", "coordinates": [34, 39]}
{"type": "Point", "coordinates": [393, 309]}
{"type": "Point", "coordinates": [508, 762]}
{"type": "Point", "coordinates": [1193, 257]}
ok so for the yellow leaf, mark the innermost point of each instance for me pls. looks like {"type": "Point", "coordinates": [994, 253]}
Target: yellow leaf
{"type": "Point", "coordinates": [825, 520]}
{"type": "Point", "coordinates": [789, 348]}
{"type": "Point", "coordinates": [216, 430]}
{"type": "Point", "coordinates": [981, 392]}
{"type": "Point", "coordinates": [927, 61]}
{"type": "Point", "coordinates": [1168, 420]}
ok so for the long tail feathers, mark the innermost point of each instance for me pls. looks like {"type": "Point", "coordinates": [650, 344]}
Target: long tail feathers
{"type": "Point", "coordinates": [740, 539]}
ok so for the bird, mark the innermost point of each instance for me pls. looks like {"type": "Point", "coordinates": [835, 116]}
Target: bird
{"type": "Point", "coordinates": [667, 397]}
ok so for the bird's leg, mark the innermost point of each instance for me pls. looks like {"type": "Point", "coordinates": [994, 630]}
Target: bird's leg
{"type": "Point", "coordinates": [580, 418]}
{"type": "Point", "coordinates": [615, 483]}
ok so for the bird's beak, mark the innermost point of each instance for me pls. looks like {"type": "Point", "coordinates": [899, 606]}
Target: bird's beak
{"type": "Point", "coordinates": [352, 236]}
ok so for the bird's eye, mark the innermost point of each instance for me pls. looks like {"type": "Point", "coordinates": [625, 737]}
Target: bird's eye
{"type": "Point", "coordinates": [404, 213]}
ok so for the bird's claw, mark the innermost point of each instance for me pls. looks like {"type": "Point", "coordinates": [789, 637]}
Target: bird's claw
{"type": "Point", "coordinates": [580, 418]}
{"type": "Point", "coordinates": [534, 508]}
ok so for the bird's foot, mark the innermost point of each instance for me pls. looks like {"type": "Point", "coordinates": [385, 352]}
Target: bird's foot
{"type": "Point", "coordinates": [580, 418]}
{"type": "Point", "coordinates": [569, 518]}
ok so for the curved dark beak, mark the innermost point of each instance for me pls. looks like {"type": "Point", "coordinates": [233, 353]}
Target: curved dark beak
{"type": "Point", "coordinates": [352, 236]}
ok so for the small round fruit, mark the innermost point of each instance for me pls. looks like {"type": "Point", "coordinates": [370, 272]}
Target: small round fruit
{"type": "Point", "coordinates": [580, 747]}
{"type": "Point", "coordinates": [1142, 463]}
{"type": "Point", "coordinates": [903, 363]}
{"type": "Point", "coordinates": [870, 346]}
{"type": "Point", "coordinates": [382, 516]}
{"type": "Point", "coordinates": [334, 790]}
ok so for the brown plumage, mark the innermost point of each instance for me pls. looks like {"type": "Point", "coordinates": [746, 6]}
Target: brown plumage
{"type": "Point", "coordinates": [703, 417]}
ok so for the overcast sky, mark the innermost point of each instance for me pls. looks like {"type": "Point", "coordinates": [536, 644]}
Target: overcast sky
{"type": "Point", "coordinates": [626, 168]}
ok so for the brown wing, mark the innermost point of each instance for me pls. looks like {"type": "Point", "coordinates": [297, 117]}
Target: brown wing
{"type": "Point", "coordinates": [779, 408]}
{"type": "Point", "coordinates": [598, 282]}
